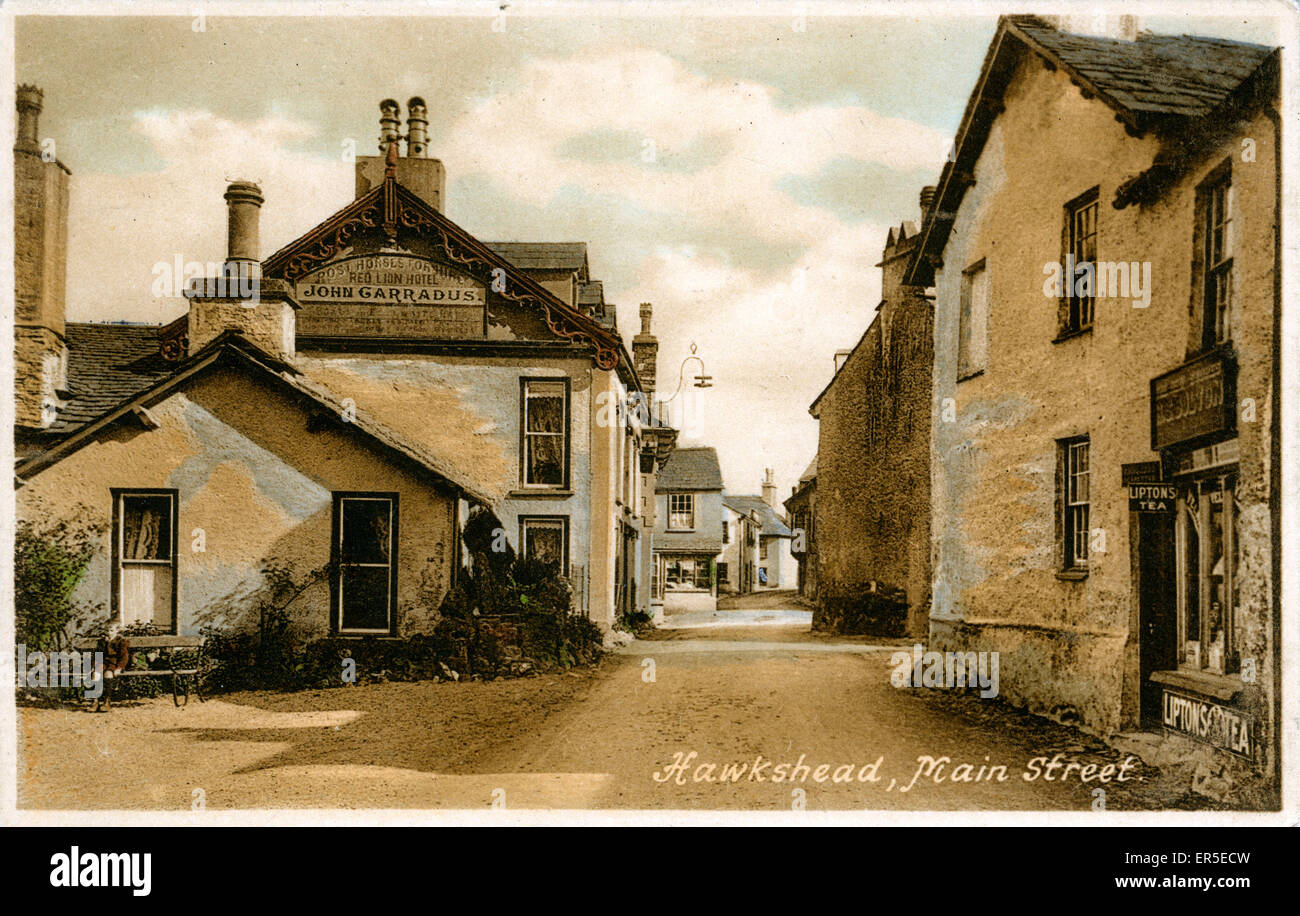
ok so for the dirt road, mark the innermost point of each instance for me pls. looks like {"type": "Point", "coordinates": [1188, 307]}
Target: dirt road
{"type": "Point", "coordinates": [764, 694]}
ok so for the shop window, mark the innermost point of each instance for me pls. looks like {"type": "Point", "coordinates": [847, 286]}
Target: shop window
{"type": "Point", "coordinates": [144, 558]}
{"type": "Point", "coordinates": [545, 429]}
{"type": "Point", "coordinates": [687, 574]}
{"type": "Point", "coordinates": [681, 511]}
{"type": "Point", "coordinates": [1207, 586]}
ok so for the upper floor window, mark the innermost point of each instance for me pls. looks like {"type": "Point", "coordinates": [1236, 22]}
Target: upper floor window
{"type": "Point", "coordinates": [726, 532]}
{"type": "Point", "coordinates": [1075, 495]}
{"type": "Point", "coordinates": [545, 451]}
{"type": "Point", "coordinates": [1215, 224]}
{"type": "Point", "coordinates": [681, 511]}
{"type": "Point", "coordinates": [1080, 274]}
{"type": "Point", "coordinates": [972, 341]}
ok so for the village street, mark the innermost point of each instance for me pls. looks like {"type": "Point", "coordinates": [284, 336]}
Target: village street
{"type": "Point", "coordinates": [729, 687]}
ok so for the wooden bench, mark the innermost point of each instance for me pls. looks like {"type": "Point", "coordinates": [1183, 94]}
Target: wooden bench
{"type": "Point", "coordinates": [183, 679]}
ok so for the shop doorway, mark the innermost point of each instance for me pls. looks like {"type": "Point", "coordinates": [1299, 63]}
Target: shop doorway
{"type": "Point", "coordinates": [1158, 608]}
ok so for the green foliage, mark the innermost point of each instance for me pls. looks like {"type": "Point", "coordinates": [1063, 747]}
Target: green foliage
{"type": "Point", "coordinates": [49, 562]}
{"type": "Point", "coordinates": [506, 616]}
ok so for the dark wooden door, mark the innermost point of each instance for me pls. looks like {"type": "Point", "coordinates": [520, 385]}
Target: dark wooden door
{"type": "Point", "coordinates": [1158, 607]}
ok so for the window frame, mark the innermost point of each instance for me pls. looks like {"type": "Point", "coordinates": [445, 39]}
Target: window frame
{"type": "Point", "coordinates": [680, 495]}
{"type": "Point", "coordinates": [726, 532]}
{"type": "Point", "coordinates": [336, 561]}
{"type": "Point", "coordinates": [1072, 537]}
{"type": "Point", "coordinates": [562, 520]}
{"type": "Point", "coordinates": [1215, 322]}
{"type": "Point", "coordinates": [115, 576]}
{"type": "Point", "coordinates": [1199, 517]}
{"type": "Point", "coordinates": [699, 565]}
{"type": "Point", "coordinates": [1071, 312]}
{"type": "Point", "coordinates": [566, 433]}
{"type": "Point", "coordinates": [965, 321]}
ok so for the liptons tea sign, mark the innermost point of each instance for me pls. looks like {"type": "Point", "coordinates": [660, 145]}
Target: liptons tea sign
{"type": "Point", "coordinates": [391, 296]}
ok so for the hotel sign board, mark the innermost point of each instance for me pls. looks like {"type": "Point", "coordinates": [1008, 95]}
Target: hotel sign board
{"type": "Point", "coordinates": [391, 296]}
{"type": "Point", "coordinates": [1209, 723]}
{"type": "Point", "coordinates": [1195, 400]}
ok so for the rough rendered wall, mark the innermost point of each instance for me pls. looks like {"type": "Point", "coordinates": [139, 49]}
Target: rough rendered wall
{"type": "Point", "coordinates": [258, 483]}
{"type": "Point", "coordinates": [1068, 647]}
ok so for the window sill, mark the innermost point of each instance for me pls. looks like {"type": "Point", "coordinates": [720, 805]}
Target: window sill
{"type": "Point", "coordinates": [1070, 335]}
{"type": "Point", "coordinates": [1072, 575]}
{"type": "Point", "coordinates": [1219, 686]}
{"type": "Point", "coordinates": [539, 494]}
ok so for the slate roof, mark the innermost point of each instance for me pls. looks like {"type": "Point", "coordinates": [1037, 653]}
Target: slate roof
{"type": "Point", "coordinates": [690, 469]}
{"type": "Point", "coordinates": [1162, 83]}
{"type": "Point", "coordinates": [107, 363]}
{"type": "Point", "coordinates": [1183, 75]}
{"type": "Point", "coordinates": [543, 255]}
{"type": "Point", "coordinates": [233, 349]}
{"type": "Point", "coordinates": [770, 520]}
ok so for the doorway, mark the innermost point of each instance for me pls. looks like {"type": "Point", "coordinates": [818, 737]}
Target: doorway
{"type": "Point", "coordinates": [1157, 600]}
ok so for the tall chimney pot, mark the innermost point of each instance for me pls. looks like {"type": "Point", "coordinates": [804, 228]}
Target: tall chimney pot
{"type": "Point", "coordinates": [243, 208]}
{"type": "Point", "coordinates": [417, 129]}
{"type": "Point", "coordinates": [389, 122]}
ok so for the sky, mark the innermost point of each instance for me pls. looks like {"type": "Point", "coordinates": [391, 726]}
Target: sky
{"type": "Point", "coordinates": [738, 172]}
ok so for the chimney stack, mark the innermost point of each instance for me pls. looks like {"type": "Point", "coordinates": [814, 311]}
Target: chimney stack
{"type": "Point", "coordinates": [927, 200]}
{"type": "Point", "coordinates": [417, 129]}
{"type": "Point", "coordinates": [239, 300]}
{"type": "Point", "coordinates": [40, 271]}
{"type": "Point", "coordinates": [645, 352]}
{"type": "Point", "coordinates": [422, 176]}
{"type": "Point", "coordinates": [769, 488]}
{"type": "Point", "coordinates": [30, 101]}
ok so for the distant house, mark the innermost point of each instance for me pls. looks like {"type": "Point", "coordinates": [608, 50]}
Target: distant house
{"type": "Point", "coordinates": [688, 531]}
{"type": "Point", "coordinates": [772, 563]}
{"type": "Point", "coordinates": [801, 511]}
{"type": "Point", "coordinates": [737, 566]}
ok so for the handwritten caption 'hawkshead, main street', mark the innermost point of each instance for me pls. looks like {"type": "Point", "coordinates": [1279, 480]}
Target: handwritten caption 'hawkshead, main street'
{"type": "Point", "coordinates": [685, 770]}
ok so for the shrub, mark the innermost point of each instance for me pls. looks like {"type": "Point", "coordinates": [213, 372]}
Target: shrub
{"type": "Point", "coordinates": [49, 562]}
{"type": "Point", "coordinates": [882, 612]}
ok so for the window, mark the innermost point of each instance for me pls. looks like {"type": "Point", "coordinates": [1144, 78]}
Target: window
{"type": "Point", "coordinates": [681, 511]}
{"type": "Point", "coordinates": [723, 573]}
{"type": "Point", "coordinates": [144, 558]}
{"type": "Point", "coordinates": [972, 343]}
{"type": "Point", "coordinates": [1215, 200]}
{"type": "Point", "coordinates": [545, 446]}
{"type": "Point", "coordinates": [1075, 490]}
{"type": "Point", "coordinates": [726, 532]}
{"type": "Point", "coordinates": [546, 539]}
{"type": "Point", "coordinates": [762, 549]}
{"type": "Point", "coordinates": [365, 578]}
{"type": "Point", "coordinates": [687, 573]}
{"type": "Point", "coordinates": [1206, 537]}
{"type": "Point", "coordinates": [1080, 274]}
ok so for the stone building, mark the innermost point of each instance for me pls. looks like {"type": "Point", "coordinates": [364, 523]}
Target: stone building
{"type": "Point", "coordinates": [688, 530]}
{"type": "Point", "coordinates": [801, 509]}
{"type": "Point", "coordinates": [873, 452]}
{"type": "Point", "coordinates": [1106, 451]}
{"type": "Point", "coordinates": [738, 562]}
{"type": "Point", "coordinates": [365, 386]}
